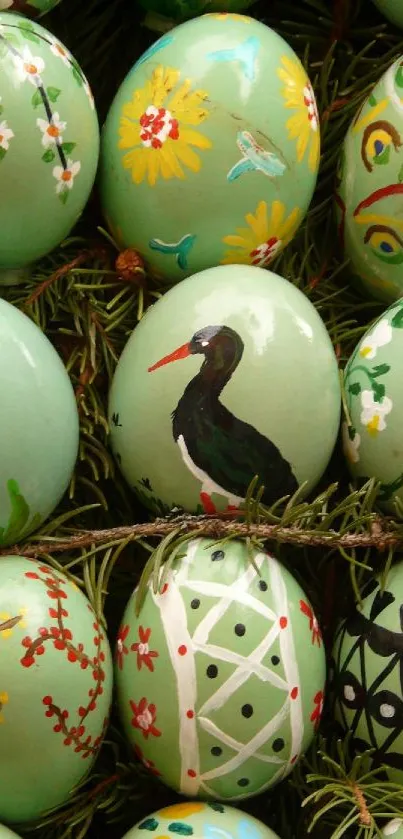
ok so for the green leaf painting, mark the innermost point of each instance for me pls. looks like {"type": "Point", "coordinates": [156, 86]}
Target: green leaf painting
{"type": "Point", "coordinates": [19, 521]}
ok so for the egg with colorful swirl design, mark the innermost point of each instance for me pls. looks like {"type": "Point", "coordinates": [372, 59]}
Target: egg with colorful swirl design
{"type": "Point", "coordinates": [211, 148]}
{"type": "Point", "coordinates": [220, 676]}
{"type": "Point", "coordinates": [31, 8]}
{"type": "Point", "coordinates": [370, 190]}
{"type": "Point", "coordinates": [49, 143]}
{"type": "Point", "coordinates": [202, 821]}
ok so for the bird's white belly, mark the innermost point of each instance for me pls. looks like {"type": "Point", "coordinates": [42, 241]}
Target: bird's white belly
{"type": "Point", "coordinates": [208, 486]}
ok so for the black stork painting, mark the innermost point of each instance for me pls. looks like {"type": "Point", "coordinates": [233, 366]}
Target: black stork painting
{"type": "Point", "coordinates": [221, 451]}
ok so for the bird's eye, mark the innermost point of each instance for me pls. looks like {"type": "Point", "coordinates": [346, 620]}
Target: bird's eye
{"type": "Point", "coordinates": [379, 140]}
{"type": "Point", "coordinates": [385, 244]}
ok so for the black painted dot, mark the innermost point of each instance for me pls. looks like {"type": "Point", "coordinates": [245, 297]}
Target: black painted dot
{"type": "Point", "coordinates": [275, 659]}
{"type": "Point", "coordinates": [216, 555]}
{"type": "Point", "coordinates": [243, 782]}
{"type": "Point", "coordinates": [247, 711]}
{"type": "Point", "coordinates": [195, 603]}
{"type": "Point", "coordinates": [262, 585]}
{"type": "Point", "coordinates": [278, 745]}
{"type": "Point", "coordinates": [239, 629]}
{"type": "Point", "coordinates": [216, 751]}
{"type": "Point", "coordinates": [212, 671]}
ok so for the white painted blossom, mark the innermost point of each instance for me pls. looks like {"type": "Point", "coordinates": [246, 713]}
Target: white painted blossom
{"type": "Point", "coordinates": [6, 134]}
{"type": "Point", "coordinates": [392, 827]}
{"type": "Point", "coordinates": [351, 445]}
{"type": "Point", "coordinates": [65, 177]}
{"type": "Point", "coordinates": [60, 52]}
{"type": "Point", "coordinates": [378, 337]}
{"type": "Point", "coordinates": [373, 413]}
{"type": "Point", "coordinates": [51, 131]}
{"type": "Point", "coordinates": [29, 67]}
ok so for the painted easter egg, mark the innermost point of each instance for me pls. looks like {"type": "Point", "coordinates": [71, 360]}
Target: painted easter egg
{"type": "Point", "coordinates": [392, 9]}
{"type": "Point", "coordinates": [220, 678]}
{"type": "Point", "coordinates": [39, 427]}
{"type": "Point", "coordinates": [393, 828]}
{"type": "Point", "coordinates": [5, 833]}
{"type": "Point", "coordinates": [370, 188]}
{"type": "Point", "coordinates": [211, 148]}
{"type": "Point", "coordinates": [179, 10]}
{"type": "Point", "coordinates": [367, 665]}
{"type": "Point", "coordinates": [31, 8]}
{"type": "Point", "coordinates": [372, 439]}
{"type": "Point", "coordinates": [49, 142]}
{"type": "Point", "coordinates": [223, 380]}
{"type": "Point", "coordinates": [201, 820]}
{"type": "Point", "coordinates": [55, 688]}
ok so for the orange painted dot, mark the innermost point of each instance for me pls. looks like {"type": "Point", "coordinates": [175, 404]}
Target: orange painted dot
{"type": "Point", "coordinates": [190, 714]}
{"type": "Point", "coordinates": [283, 622]}
{"type": "Point", "coordinates": [182, 650]}
{"type": "Point", "coordinates": [294, 693]}
{"type": "Point", "coordinates": [53, 131]}
{"type": "Point", "coordinates": [191, 773]}
{"type": "Point", "coordinates": [31, 69]}
{"type": "Point", "coordinates": [67, 176]}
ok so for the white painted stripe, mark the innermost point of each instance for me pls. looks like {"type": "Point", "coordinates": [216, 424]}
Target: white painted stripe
{"type": "Point", "coordinates": [245, 664]}
{"type": "Point", "coordinates": [289, 659]}
{"type": "Point", "coordinates": [220, 590]}
{"type": "Point", "coordinates": [174, 621]}
{"type": "Point", "coordinates": [236, 591]}
{"type": "Point", "coordinates": [242, 673]}
{"type": "Point", "coordinates": [236, 745]}
{"type": "Point", "coordinates": [249, 749]}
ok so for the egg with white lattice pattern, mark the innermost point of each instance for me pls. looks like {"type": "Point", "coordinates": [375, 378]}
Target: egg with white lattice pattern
{"type": "Point", "coordinates": [220, 677]}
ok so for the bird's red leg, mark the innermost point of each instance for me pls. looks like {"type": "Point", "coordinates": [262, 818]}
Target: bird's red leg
{"type": "Point", "coordinates": [208, 506]}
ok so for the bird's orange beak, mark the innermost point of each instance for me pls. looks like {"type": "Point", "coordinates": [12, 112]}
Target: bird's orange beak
{"type": "Point", "coordinates": [181, 352]}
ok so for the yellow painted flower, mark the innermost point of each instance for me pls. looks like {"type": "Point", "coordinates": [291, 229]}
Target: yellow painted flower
{"type": "Point", "coordinates": [225, 16]}
{"type": "Point", "coordinates": [158, 128]}
{"type": "Point", "coordinates": [183, 810]}
{"type": "Point", "coordinates": [3, 701]}
{"type": "Point", "coordinates": [299, 97]}
{"type": "Point", "coordinates": [8, 622]}
{"type": "Point", "coordinates": [264, 237]}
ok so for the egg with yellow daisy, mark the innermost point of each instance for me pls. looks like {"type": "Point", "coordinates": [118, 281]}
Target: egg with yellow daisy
{"type": "Point", "coordinates": [211, 148]}
{"type": "Point", "coordinates": [202, 821]}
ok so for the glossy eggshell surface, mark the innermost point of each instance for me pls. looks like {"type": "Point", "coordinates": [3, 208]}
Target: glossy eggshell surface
{"type": "Point", "coordinates": [203, 821]}
{"type": "Point", "coordinates": [368, 687]}
{"type": "Point", "coordinates": [49, 141]}
{"type": "Point", "coordinates": [5, 833]}
{"type": "Point", "coordinates": [220, 679]}
{"type": "Point", "coordinates": [369, 195]}
{"type": "Point", "coordinates": [392, 9]}
{"type": "Point", "coordinates": [31, 8]}
{"type": "Point", "coordinates": [210, 151]}
{"type": "Point", "coordinates": [180, 10]}
{"type": "Point", "coordinates": [393, 829]}
{"type": "Point", "coordinates": [55, 688]}
{"type": "Point", "coordinates": [280, 390]}
{"type": "Point", "coordinates": [374, 400]}
{"type": "Point", "coordinates": [39, 428]}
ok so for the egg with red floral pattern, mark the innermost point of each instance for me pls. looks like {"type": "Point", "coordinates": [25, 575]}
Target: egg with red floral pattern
{"type": "Point", "coordinates": [55, 688]}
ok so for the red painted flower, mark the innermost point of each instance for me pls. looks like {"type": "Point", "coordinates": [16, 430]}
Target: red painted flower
{"type": "Point", "coordinates": [121, 649]}
{"type": "Point", "coordinates": [313, 623]}
{"type": "Point", "coordinates": [144, 716]}
{"type": "Point", "coordinates": [149, 764]}
{"type": "Point", "coordinates": [317, 711]}
{"type": "Point", "coordinates": [144, 654]}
